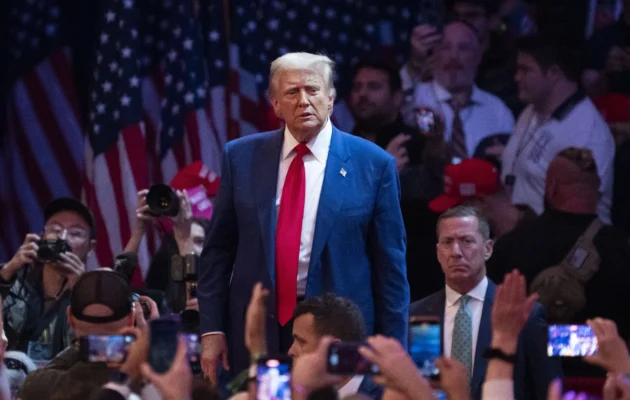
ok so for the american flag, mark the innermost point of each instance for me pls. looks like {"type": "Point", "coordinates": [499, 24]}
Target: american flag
{"type": "Point", "coordinates": [150, 113]}
{"type": "Point", "coordinates": [342, 29]}
{"type": "Point", "coordinates": [42, 153]}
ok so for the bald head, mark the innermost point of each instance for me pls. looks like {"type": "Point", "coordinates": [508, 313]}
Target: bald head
{"type": "Point", "coordinates": [572, 183]}
{"type": "Point", "coordinates": [458, 57]}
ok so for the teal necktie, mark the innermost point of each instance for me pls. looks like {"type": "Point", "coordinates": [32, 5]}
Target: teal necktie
{"type": "Point", "coordinates": [461, 348]}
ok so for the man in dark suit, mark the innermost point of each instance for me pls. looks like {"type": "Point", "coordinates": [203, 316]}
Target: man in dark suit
{"type": "Point", "coordinates": [305, 210]}
{"type": "Point", "coordinates": [465, 305]}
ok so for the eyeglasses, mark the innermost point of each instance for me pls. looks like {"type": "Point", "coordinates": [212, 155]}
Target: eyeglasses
{"type": "Point", "coordinates": [73, 234]}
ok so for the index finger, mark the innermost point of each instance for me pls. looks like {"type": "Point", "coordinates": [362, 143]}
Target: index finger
{"type": "Point", "coordinates": [401, 138]}
{"type": "Point", "coordinates": [31, 237]}
{"type": "Point", "coordinates": [143, 192]}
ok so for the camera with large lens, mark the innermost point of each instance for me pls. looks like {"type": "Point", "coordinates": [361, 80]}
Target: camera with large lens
{"type": "Point", "coordinates": [162, 201]}
{"type": "Point", "coordinates": [184, 270]}
{"type": "Point", "coordinates": [125, 264]}
{"type": "Point", "coordinates": [50, 250]}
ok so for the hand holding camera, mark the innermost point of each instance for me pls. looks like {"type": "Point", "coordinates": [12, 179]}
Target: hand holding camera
{"type": "Point", "coordinates": [26, 254]}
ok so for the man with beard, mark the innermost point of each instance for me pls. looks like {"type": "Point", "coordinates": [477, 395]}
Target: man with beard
{"type": "Point", "coordinates": [375, 102]}
{"type": "Point", "coordinates": [470, 114]}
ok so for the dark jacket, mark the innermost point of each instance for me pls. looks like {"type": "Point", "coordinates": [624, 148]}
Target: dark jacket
{"type": "Point", "coordinates": [533, 371]}
{"type": "Point", "coordinates": [24, 319]}
{"type": "Point", "coordinates": [41, 383]}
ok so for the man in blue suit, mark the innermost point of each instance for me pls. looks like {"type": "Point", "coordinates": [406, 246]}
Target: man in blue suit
{"type": "Point", "coordinates": [465, 306]}
{"type": "Point", "coordinates": [306, 210]}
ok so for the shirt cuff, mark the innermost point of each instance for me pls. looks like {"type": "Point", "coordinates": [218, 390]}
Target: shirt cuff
{"type": "Point", "coordinates": [213, 333]}
{"type": "Point", "coordinates": [498, 389]}
{"type": "Point", "coordinates": [120, 388]}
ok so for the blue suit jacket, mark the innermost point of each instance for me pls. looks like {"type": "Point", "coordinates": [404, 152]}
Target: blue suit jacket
{"type": "Point", "coordinates": [533, 371]}
{"type": "Point", "coordinates": [358, 246]}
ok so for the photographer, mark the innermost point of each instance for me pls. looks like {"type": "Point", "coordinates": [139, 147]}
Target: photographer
{"type": "Point", "coordinates": [36, 283]}
{"type": "Point", "coordinates": [185, 237]}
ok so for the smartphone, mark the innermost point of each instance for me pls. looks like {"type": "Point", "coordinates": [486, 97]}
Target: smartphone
{"type": "Point", "coordinates": [571, 341]}
{"type": "Point", "coordinates": [273, 375]}
{"type": "Point", "coordinates": [163, 343]}
{"type": "Point", "coordinates": [425, 344]}
{"type": "Point", "coordinates": [105, 349]}
{"type": "Point", "coordinates": [345, 359]}
{"type": "Point", "coordinates": [194, 352]}
{"type": "Point", "coordinates": [430, 12]}
{"type": "Point", "coordinates": [426, 121]}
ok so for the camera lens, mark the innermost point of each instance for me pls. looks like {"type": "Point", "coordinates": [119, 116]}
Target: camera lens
{"type": "Point", "coordinates": [162, 201]}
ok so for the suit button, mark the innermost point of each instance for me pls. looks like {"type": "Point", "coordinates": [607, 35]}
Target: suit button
{"type": "Point", "coordinates": [272, 316]}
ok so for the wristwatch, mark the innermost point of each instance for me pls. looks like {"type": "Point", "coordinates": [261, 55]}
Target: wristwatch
{"type": "Point", "coordinates": [499, 354]}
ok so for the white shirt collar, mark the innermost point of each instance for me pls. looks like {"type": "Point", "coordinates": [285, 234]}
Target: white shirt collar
{"type": "Point", "coordinates": [478, 293]}
{"type": "Point", "coordinates": [318, 146]}
{"type": "Point", "coordinates": [351, 388]}
{"type": "Point", "coordinates": [443, 95]}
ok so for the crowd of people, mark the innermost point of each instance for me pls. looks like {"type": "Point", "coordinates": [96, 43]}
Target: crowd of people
{"type": "Point", "coordinates": [484, 187]}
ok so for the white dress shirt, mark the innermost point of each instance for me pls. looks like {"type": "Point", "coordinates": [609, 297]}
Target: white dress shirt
{"type": "Point", "coordinates": [314, 168]}
{"type": "Point", "coordinates": [535, 144]}
{"type": "Point", "coordinates": [485, 116]}
{"type": "Point", "coordinates": [475, 305]}
{"type": "Point", "coordinates": [351, 388]}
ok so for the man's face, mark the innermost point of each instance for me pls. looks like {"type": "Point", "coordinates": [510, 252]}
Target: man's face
{"type": "Point", "coordinates": [303, 100]}
{"type": "Point", "coordinates": [457, 58]}
{"type": "Point", "coordinates": [533, 83]}
{"type": "Point", "coordinates": [305, 339]}
{"type": "Point", "coordinates": [70, 226]}
{"type": "Point", "coordinates": [474, 15]}
{"type": "Point", "coordinates": [461, 250]}
{"type": "Point", "coordinates": [198, 237]}
{"type": "Point", "coordinates": [371, 97]}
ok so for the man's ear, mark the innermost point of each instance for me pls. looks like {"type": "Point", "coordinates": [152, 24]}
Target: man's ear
{"type": "Point", "coordinates": [489, 248]}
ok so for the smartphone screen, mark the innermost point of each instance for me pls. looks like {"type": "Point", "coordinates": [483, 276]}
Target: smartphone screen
{"type": "Point", "coordinates": [345, 359]}
{"type": "Point", "coordinates": [273, 375]}
{"type": "Point", "coordinates": [105, 349]}
{"type": "Point", "coordinates": [163, 343]}
{"type": "Point", "coordinates": [424, 344]}
{"type": "Point", "coordinates": [571, 341]}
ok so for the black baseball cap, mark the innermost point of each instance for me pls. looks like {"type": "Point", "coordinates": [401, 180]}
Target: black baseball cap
{"type": "Point", "coordinates": [104, 287]}
{"type": "Point", "coordinates": [70, 204]}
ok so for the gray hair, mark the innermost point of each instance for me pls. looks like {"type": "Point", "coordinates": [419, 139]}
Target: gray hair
{"type": "Point", "coordinates": [466, 211]}
{"type": "Point", "coordinates": [304, 61]}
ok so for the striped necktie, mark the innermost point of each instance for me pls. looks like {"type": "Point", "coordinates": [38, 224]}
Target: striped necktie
{"type": "Point", "coordinates": [458, 137]}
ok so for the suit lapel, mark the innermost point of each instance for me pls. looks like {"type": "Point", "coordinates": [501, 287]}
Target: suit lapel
{"type": "Point", "coordinates": [484, 338]}
{"type": "Point", "coordinates": [265, 181]}
{"type": "Point", "coordinates": [332, 194]}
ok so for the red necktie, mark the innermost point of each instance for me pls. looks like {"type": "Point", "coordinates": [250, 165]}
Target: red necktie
{"type": "Point", "coordinates": [288, 234]}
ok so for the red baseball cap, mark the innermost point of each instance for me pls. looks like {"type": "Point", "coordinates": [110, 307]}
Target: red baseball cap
{"type": "Point", "coordinates": [194, 175]}
{"type": "Point", "coordinates": [470, 178]}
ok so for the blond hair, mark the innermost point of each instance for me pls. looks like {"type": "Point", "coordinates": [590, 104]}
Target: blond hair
{"type": "Point", "coordinates": [304, 61]}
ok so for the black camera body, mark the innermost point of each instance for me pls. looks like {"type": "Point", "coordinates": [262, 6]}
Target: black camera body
{"type": "Point", "coordinates": [184, 270]}
{"type": "Point", "coordinates": [162, 201]}
{"type": "Point", "coordinates": [50, 250]}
